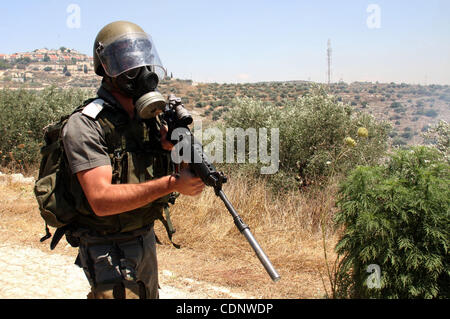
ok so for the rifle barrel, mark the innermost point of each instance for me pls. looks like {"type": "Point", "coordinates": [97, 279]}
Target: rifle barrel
{"type": "Point", "coordinates": [245, 230]}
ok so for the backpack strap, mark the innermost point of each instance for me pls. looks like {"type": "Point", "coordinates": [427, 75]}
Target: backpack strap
{"type": "Point", "coordinates": [165, 220]}
{"type": "Point", "coordinates": [116, 145]}
{"type": "Point", "coordinates": [59, 233]}
{"type": "Point", "coordinates": [47, 235]}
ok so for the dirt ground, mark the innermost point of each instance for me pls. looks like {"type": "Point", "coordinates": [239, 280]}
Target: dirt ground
{"type": "Point", "coordinates": [30, 270]}
{"type": "Point", "coordinates": [30, 273]}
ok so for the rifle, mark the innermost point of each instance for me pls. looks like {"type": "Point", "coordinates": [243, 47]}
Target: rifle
{"type": "Point", "coordinates": [178, 118]}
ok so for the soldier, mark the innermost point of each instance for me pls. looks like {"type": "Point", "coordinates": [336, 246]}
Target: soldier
{"type": "Point", "coordinates": [122, 173]}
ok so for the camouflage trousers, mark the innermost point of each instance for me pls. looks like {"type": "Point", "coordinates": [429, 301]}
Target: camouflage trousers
{"type": "Point", "coordinates": [120, 267]}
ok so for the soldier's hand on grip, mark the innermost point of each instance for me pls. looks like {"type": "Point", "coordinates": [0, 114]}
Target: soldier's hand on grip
{"type": "Point", "coordinates": [188, 184]}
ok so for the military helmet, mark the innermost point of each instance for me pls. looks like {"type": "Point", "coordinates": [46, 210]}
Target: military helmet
{"type": "Point", "coordinates": [121, 46]}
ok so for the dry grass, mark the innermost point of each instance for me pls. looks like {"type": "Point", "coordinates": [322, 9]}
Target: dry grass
{"type": "Point", "coordinates": [287, 227]}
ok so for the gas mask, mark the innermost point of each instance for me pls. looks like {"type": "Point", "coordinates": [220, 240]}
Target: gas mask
{"type": "Point", "coordinates": [130, 59]}
{"type": "Point", "coordinates": [140, 84]}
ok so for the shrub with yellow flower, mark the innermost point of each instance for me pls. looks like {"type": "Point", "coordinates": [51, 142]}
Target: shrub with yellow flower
{"type": "Point", "coordinates": [363, 132]}
{"type": "Point", "coordinates": [349, 142]}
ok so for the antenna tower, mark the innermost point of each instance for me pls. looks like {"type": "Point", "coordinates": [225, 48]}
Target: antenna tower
{"type": "Point", "coordinates": [329, 61]}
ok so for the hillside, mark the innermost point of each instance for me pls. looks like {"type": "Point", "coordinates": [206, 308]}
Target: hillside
{"type": "Point", "coordinates": [410, 108]}
{"type": "Point", "coordinates": [63, 67]}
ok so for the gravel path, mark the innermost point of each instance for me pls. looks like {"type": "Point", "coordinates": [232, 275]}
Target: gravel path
{"type": "Point", "coordinates": [29, 273]}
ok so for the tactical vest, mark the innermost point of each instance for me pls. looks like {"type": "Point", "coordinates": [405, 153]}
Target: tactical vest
{"type": "Point", "coordinates": [136, 156]}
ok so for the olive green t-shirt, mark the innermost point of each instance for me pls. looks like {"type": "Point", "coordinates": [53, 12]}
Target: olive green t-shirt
{"type": "Point", "coordinates": [84, 139]}
{"type": "Point", "coordinates": [84, 143]}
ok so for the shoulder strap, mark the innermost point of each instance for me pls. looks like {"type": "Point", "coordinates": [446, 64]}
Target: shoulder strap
{"type": "Point", "coordinates": [84, 104]}
{"type": "Point", "coordinates": [93, 108]}
{"type": "Point", "coordinates": [109, 123]}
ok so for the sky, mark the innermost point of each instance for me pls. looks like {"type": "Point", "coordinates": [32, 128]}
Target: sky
{"type": "Point", "coordinates": [255, 40]}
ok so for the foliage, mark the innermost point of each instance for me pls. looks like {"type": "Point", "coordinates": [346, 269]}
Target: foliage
{"type": "Point", "coordinates": [24, 114]}
{"type": "Point", "coordinates": [312, 135]}
{"type": "Point", "coordinates": [440, 136]}
{"type": "Point", "coordinates": [396, 216]}
{"type": "Point", "coordinates": [395, 105]}
{"type": "Point", "coordinates": [4, 65]}
{"type": "Point", "coordinates": [431, 113]}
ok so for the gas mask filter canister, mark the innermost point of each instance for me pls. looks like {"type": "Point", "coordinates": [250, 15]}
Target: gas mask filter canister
{"type": "Point", "coordinates": [140, 84]}
{"type": "Point", "coordinates": [146, 99]}
{"type": "Point", "coordinates": [149, 104]}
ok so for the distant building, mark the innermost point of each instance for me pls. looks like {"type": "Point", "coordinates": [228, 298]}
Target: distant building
{"type": "Point", "coordinates": [56, 59]}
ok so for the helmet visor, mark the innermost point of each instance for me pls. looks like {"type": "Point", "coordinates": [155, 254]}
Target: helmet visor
{"type": "Point", "coordinates": [130, 51]}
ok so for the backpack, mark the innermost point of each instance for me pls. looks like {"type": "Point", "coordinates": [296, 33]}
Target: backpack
{"type": "Point", "coordinates": [56, 203]}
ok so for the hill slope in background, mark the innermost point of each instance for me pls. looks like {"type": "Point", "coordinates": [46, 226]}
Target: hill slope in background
{"type": "Point", "coordinates": [410, 108]}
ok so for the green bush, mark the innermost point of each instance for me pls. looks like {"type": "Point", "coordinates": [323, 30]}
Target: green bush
{"type": "Point", "coordinates": [312, 130]}
{"type": "Point", "coordinates": [406, 135]}
{"type": "Point", "coordinates": [398, 141]}
{"type": "Point", "coordinates": [395, 105]}
{"type": "Point", "coordinates": [4, 65]}
{"type": "Point", "coordinates": [24, 115]}
{"type": "Point", "coordinates": [439, 135]}
{"type": "Point", "coordinates": [431, 113]}
{"type": "Point", "coordinates": [396, 216]}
